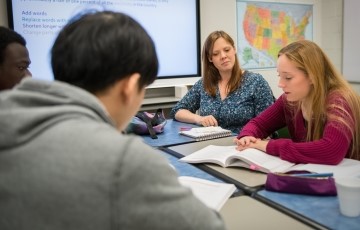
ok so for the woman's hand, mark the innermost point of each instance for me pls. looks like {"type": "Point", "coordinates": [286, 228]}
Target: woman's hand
{"type": "Point", "coordinates": [250, 142]}
{"type": "Point", "coordinates": [244, 142]}
{"type": "Point", "coordinates": [207, 121]}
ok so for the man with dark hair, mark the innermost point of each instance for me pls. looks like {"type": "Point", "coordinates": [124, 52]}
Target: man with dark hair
{"type": "Point", "coordinates": [64, 163]}
{"type": "Point", "coordinates": [14, 58]}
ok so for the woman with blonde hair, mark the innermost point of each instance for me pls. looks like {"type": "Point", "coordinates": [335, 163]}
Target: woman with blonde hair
{"type": "Point", "coordinates": [319, 108]}
{"type": "Point", "coordinates": [226, 95]}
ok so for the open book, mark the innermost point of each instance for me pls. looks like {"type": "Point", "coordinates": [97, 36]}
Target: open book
{"type": "Point", "coordinates": [211, 193]}
{"type": "Point", "coordinates": [228, 156]}
{"type": "Point", "coordinates": [206, 133]}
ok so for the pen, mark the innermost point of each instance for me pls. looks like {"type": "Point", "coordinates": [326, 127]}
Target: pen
{"type": "Point", "coordinates": [314, 174]}
{"type": "Point", "coordinates": [185, 128]}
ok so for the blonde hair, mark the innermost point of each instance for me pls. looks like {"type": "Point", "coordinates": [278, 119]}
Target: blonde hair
{"type": "Point", "coordinates": [327, 85]}
{"type": "Point", "coordinates": [211, 75]}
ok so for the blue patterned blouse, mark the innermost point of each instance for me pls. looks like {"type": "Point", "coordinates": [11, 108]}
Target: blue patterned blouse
{"type": "Point", "coordinates": [252, 97]}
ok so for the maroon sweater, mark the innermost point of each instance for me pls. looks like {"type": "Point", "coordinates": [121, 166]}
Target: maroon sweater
{"type": "Point", "coordinates": [330, 149]}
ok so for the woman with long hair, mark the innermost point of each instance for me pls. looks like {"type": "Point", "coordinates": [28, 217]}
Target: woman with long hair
{"type": "Point", "coordinates": [226, 95]}
{"type": "Point", "coordinates": [319, 108]}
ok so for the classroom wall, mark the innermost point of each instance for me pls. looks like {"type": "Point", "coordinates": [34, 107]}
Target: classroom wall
{"type": "Point", "coordinates": [3, 13]}
{"type": "Point", "coordinates": [351, 36]}
{"type": "Point", "coordinates": [328, 28]}
{"type": "Point", "coordinates": [221, 15]}
{"type": "Point", "coordinates": [332, 33]}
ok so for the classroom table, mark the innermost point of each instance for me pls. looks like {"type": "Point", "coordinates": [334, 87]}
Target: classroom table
{"type": "Point", "coordinates": [323, 210]}
{"type": "Point", "coordinates": [240, 211]}
{"type": "Point", "coordinates": [245, 179]}
{"type": "Point", "coordinates": [244, 212]}
{"type": "Point", "coordinates": [170, 136]}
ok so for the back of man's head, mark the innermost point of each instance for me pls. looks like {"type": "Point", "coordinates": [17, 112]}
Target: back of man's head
{"type": "Point", "coordinates": [8, 36]}
{"type": "Point", "coordinates": [94, 50]}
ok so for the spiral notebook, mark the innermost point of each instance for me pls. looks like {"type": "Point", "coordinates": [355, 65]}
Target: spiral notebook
{"type": "Point", "coordinates": [206, 133]}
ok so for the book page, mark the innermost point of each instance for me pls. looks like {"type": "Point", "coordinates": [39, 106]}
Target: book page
{"type": "Point", "coordinates": [211, 154]}
{"type": "Point", "coordinates": [262, 161]}
{"type": "Point", "coordinates": [213, 194]}
{"type": "Point", "coordinates": [346, 168]}
{"type": "Point", "coordinates": [230, 156]}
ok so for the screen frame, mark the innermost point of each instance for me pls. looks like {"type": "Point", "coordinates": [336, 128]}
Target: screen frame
{"type": "Point", "coordinates": [10, 15]}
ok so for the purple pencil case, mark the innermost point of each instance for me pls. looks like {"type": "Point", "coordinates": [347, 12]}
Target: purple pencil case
{"type": "Point", "coordinates": [290, 183]}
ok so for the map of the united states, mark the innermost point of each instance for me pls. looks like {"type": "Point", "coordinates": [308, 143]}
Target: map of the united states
{"type": "Point", "coordinates": [267, 30]}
